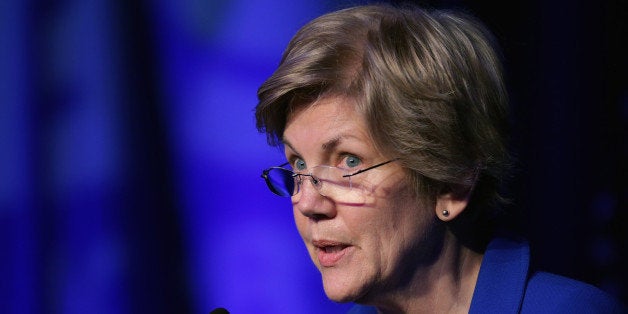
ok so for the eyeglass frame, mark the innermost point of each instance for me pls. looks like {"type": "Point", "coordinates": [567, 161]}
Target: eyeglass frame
{"type": "Point", "coordinates": [266, 177]}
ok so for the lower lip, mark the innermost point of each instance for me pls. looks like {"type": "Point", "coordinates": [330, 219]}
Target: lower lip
{"type": "Point", "coordinates": [330, 259]}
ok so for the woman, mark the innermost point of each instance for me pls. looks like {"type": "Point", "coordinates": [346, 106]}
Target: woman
{"type": "Point", "coordinates": [394, 124]}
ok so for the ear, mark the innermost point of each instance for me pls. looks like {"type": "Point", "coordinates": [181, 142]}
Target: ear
{"type": "Point", "coordinates": [451, 204]}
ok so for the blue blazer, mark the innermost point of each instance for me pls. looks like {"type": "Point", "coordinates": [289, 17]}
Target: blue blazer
{"type": "Point", "coordinates": [505, 285]}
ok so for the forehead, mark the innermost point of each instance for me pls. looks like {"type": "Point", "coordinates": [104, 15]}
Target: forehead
{"type": "Point", "coordinates": [325, 108]}
{"type": "Point", "coordinates": [326, 120]}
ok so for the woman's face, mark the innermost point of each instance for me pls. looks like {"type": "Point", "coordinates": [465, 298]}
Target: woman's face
{"type": "Point", "coordinates": [360, 249]}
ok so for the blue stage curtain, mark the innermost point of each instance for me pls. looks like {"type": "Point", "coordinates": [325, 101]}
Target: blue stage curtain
{"type": "Point", "coordinates": [90, 223]}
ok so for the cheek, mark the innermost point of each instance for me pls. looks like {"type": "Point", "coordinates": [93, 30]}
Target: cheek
{"type": "Point", "coordinates": [402, 218]}
{"type": "Point", "coordinates": [412, 218]}
{"type": "Point", "coordinates": [300, 221]}
{"type": "Point", "coordinates": [386, 189]}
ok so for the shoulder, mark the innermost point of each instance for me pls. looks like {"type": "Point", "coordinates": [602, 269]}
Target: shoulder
{"type": "Point", "coordinates": [557, 294]}
{"type": "Point", "coordinates": [506, 285]}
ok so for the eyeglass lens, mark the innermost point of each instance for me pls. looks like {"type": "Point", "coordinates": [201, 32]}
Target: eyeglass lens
{"type": "Point", "coordinates": [329, 182]}
{"type": "Point", "coordinates": [281, 181]}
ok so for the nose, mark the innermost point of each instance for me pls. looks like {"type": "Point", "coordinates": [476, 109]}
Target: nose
{"type": "Point", "coordinates": [310, 203]}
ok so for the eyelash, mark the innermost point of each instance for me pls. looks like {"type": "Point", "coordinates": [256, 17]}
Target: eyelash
{"type": "Point", "coordinates": [338, 162]}
{"type": "Point", "coordinates": [293, 160]}
{"type": "Point", "coordinates": [344, 156]}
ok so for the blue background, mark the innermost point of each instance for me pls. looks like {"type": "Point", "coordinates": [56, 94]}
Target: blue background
{"type": "Point", "coordinates": [130, 163]}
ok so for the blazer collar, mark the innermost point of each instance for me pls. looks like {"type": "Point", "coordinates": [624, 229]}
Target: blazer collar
{"type": "Point", "coordinates": [502, 279]}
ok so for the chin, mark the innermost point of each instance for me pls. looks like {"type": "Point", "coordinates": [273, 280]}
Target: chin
{"type": "Point", "coordinates": [339, 296]}
{"type": "Point", "coordinates": [340, 289]}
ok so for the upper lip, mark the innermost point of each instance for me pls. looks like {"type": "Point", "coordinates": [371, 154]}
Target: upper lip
{"type": "Point", "coordinates": [323, 243]}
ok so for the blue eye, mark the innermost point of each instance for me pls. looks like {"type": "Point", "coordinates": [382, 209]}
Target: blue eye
{"type": "Point", "coordinates": [299, 164]}
{"type": "Point", "coordinates": [353, 161]}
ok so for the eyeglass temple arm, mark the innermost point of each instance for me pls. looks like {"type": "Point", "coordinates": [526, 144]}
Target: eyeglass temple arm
{"type": "Point", "coordinates": [369, 168]}
{"type": "Point", "coordinates": [265, 171]}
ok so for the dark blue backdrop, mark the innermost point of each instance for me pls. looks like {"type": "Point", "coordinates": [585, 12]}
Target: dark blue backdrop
{"type": "Point", "coordinates": [129, 160]}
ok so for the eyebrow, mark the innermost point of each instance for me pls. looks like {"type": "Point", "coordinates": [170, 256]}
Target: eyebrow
{"type": "Point", "coordinates": [287, 143]}
{"type": "Point", "coordinates": [332, 143]}
{"type": "Point", "coordinates": [327, 146]}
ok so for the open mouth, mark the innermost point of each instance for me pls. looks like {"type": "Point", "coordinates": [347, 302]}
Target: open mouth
{"type": "Point", "coordinates": [333, 249]}
{"type": "Point", "coordinates": [330, 253]}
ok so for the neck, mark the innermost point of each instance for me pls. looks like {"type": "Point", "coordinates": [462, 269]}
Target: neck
{"type": "Point", "coordinates": [445, 286]}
